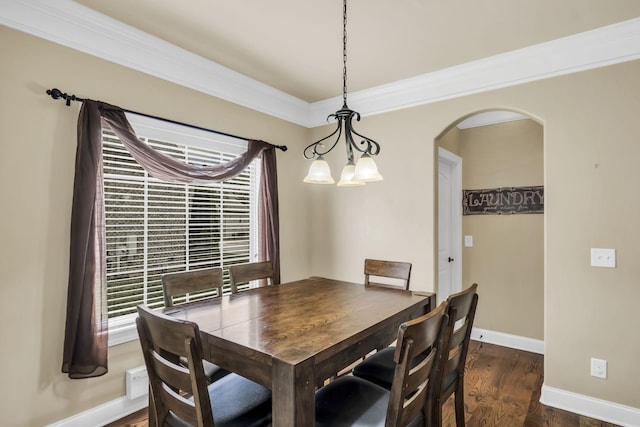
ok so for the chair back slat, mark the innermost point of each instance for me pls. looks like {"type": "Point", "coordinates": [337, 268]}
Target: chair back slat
{"type": "Point", "coordinates": [459, 334]}
{"type": "Point", "coordinates": [415, 379]}
{"type": "Point", "coordinates": [464, 302]}
{"type": "Point", "coordinates": [172, 373]}
{"type": "Point", "coordinates": [388, 269]}
{"type": "Point", "coordinates": [207, 282]}
{"type": "Point", "coordinates": [418, 354]}
{"type": "Point", "coordinates": [453, 361]}
{"type": "Point", "coordinates": [242, 273]}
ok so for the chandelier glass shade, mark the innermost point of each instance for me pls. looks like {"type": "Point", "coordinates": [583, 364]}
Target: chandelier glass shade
{"type": "Point", "coordinates": [353, 174]}
{"type": "Point", "coordinates": [319, 172]}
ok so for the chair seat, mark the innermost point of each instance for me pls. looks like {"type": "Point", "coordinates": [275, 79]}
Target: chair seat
{"type": "Point", "coordinates": [212, 371]}
{"type": "Point", "coordinates": [379, 367]}
{"type": "Point", "coordinates": [352, 401]}
{"type": "Point", "coordinates": [236, 402]}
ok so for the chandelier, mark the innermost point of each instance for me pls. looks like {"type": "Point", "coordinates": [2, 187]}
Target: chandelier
{"type": "Point", "coordinates": [353, 174]}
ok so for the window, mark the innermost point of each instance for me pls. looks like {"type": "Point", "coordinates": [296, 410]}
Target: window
{"type": "Point", "coordinates": [155, 227]}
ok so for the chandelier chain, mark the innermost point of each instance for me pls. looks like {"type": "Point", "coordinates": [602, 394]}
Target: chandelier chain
{"type": "Point", "coordinates": [354, 141]}
{"type": "Point", "coordinates": [344, 53]}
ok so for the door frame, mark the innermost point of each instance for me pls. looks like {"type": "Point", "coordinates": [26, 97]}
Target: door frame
{"type": "Point", "coordinates": [455, 161]}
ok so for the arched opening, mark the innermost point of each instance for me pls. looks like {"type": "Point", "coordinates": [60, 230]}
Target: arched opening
{"type": "Point", "coordinates": [499, 244]}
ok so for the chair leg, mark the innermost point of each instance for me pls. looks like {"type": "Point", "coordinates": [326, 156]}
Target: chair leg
{"type": "Point", "coordinates": [436, 414]}
{"type": "Point", "coordinates": [153, 419]}
{"type": "Point", "coordinates": [459, 402]}
{"type": "Point", "coordinates": [429, 417]}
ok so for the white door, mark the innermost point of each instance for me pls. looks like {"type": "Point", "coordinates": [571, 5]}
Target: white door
{"type": "Point", "coordinates": [449, 224]}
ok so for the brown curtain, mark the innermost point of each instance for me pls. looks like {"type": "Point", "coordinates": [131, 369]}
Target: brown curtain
{"type": "Point", "coordinates": [85, 341]}
{"type": "Point", "coordinates": [268, 216]}
{"type": "Point", "coordinates": [86, 331]}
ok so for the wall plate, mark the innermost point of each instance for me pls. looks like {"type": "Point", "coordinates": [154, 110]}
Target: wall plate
{"type": "Point", "coordinates": [601, 257]}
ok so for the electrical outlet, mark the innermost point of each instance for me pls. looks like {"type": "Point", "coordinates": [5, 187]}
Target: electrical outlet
{"type": "Point", "coordinates": [136, 382]}
{"type": "Point", "coordinates": [599, 368]}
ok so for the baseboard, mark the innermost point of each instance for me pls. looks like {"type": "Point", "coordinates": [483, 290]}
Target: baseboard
{"type": "Point", "coordinates": [591, 407]}
{"type": "Point", "coordinates": [508, 340]}
{"type": "Point", "coordinates": [105, 413]}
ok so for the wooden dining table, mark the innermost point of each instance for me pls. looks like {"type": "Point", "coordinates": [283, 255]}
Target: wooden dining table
{"type": "Point", "coordinates": [291, 337]}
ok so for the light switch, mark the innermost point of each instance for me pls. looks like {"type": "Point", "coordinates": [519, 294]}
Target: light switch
{"type": "Point", "coordinates": [468, 241]}
{"type": "Point", "coordinates": [603, 257]}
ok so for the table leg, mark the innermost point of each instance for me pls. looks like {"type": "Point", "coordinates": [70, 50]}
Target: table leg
{"type": "Point", "coordinates": [293, 388]}
{"type": "Point", "coordinates": [432, 302]}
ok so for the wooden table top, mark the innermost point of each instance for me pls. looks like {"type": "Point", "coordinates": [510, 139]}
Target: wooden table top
{"type": "Point", "coordinates": [296, 320]}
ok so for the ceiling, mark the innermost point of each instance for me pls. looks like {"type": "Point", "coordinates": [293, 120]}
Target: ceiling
{"type": "Point", "coordinates": [296, 45]}
{"type": "Point", "coordinates": [284, 57]}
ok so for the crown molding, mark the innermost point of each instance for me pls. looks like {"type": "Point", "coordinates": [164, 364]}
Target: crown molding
{"type": "Point", "coordinates": [592, 49]}
{"type": "Point", "coordinates": [81, 28]}
{"type": "Point", "coordinates": [78, 27]}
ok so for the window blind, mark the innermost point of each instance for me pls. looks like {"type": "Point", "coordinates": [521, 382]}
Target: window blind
{"type": "Point", "coordinates": [155, 227]}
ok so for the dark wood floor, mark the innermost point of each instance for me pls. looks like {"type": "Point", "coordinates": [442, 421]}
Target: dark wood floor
{"type": "Point", "coordinates": [502, 388]}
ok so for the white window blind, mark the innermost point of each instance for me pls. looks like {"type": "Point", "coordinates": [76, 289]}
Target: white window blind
{"type": "Point", "coordinates": [155, 227]}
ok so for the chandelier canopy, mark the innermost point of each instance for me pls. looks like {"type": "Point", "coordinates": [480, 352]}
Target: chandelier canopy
{"type": "Point", "coordinates": [353, 174]}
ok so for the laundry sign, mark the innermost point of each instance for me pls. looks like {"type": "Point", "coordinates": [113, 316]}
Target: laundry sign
{"type": "Point", "coordinates": [503, 201]}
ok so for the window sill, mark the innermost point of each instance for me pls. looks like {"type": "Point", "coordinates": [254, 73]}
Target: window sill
{"type": "Point", "coordinates": [122, 331]}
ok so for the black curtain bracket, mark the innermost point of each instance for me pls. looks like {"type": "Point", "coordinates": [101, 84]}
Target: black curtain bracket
{"type": "Point", "coordinates": [58, 94]}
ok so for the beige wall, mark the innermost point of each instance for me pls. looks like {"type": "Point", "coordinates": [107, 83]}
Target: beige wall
{"type": "Point", "coordinates": [506, 259]}
{"type": "Point", "coordinates": [37, 153]}
{"type": "Point", "coordinates": [589, 119]}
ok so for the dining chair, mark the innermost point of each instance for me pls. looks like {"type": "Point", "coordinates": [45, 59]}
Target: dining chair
{"type": "Point", "coordinates": [180, 396]}
{"type": "Point", "coordinates": [354, 401]}
{"type": "Point", "coordinates": [379, 367]}
{"type": "Point", "coordinates": [387, 269]}
{"type": "Point", "coordinates": [399, 271]}
{"type": "Point", "coordinates": [452, 380]}
{"type": "Point", "coordinates": [204, 283]}
{"type": "Point", "coordinates": [198, 285]}
{"type": "Point", "coordinates": [243, 273]}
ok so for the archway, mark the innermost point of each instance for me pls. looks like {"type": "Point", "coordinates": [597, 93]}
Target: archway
{"type": "Point", "coordinates": [503, 253]}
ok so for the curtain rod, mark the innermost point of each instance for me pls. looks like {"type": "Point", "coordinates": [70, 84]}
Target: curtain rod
{"type": "Point", "coordinates": [57, 94]}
